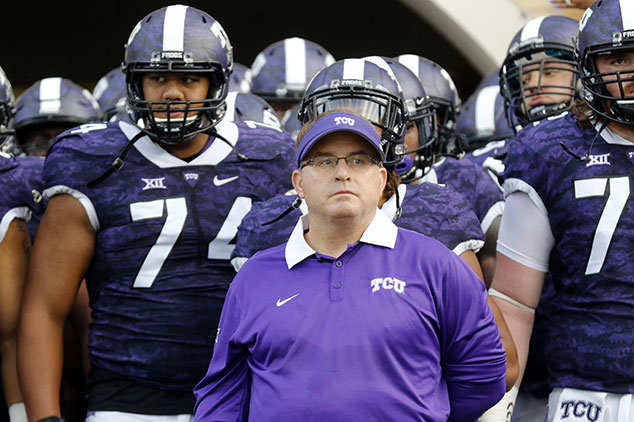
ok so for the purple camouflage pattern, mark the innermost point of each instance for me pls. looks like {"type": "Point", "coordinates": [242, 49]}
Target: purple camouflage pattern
{"type": "Point", "coordinates": [32, 171]}
{"type": "Point", "coordinates": [435, 211]}
{"type": "Point", "coordinates": [470, 180]}
{"type": "Point", "coordinates": [160, 333]}
{"type": "Point", "coordinates": [592, 317]}
{"type": "Point", "coordinates": [18, 178]}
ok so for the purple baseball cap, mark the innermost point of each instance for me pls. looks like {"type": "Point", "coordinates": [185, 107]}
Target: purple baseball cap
{"type": "Point", "coordinates": [334, 122]}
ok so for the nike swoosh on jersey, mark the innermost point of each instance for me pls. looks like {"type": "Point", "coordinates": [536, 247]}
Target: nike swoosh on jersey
{"type": "Point", "coordinates": [220, 182]}
{"type": "Point", "coordinates": [281, 302]}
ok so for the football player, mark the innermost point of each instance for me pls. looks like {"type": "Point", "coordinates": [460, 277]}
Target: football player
{"type": "Point", "coordinates": [464, 176]}
{"type": "Point", "coordinates": [147, 214]}
{"type": "Point", "coordinates": [281, 72]}
{"type": "Point", "coordinates": [49, 107]}
{"type": "Point", "coordinates": [569, 213]}
{"type": "Point", "coordinates": [240, 80]}
{"type": "Point", "coordinates": [538, 80]}
{"type": "Point", "coordinates": [17, 205]}
{"type": "Point", "coordinates": [110, 93]}
{"type": "Point", "coordinates": [245, 107]}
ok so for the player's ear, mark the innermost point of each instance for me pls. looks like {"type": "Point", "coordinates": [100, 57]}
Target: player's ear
{"type": "Point", "coordinates": [297, 180]}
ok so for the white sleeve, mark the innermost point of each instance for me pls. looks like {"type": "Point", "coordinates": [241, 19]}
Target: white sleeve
{"type": "Point", "coordinates": [525, 234]}
{"type": "Point", "coordinates": [20, 212]}
{"type": "Point", "coordinates": [82, 198]}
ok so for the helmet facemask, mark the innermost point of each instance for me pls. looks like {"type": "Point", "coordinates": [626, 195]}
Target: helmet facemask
{"type": "Point", "coordinates": [198, 116]}
{"type": "Point", "coordinates": [534, 64]}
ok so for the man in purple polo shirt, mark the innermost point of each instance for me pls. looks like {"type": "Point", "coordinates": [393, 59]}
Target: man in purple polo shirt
{"type": "Point", "coordinates": [353, 319]}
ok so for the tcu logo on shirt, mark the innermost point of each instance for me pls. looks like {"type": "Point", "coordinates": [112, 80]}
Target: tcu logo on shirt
{"type": "Point", "coordinates": [579, 410]}
{"type": "Point", "coordinates": [388, 283]}
{"type": "Point", "coordinates": [344, 120]}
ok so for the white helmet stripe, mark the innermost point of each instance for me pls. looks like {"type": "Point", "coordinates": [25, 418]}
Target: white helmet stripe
{"type": "Point", "coordinates": [627, 13]}
{"type": "Point", "coordinates": [410, 61]}
{"type": "Point", "coordinates": [295, 57]}
{"type": "Point", "coordinates": [174, 28]}
{"type": "Point", "coordinates": [531, 28]}
{"type": "Point", "coordinates": [485, 108]}
{"type": "Point", "coordinates": [231, 106]}
{"type": "Point", "coordinates": [353, 69]}
{"type": "Point", "coordinates": [50, 95]}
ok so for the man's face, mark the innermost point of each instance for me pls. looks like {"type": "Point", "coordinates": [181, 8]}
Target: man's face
{"type": "Point", "coordinates": [175, 86]}
{"type": "Point", "coordinates": [411, 138]}
{"type": "Point", "coordinates": [341, 192]}
{"type": "Point", "coordinates": [282, 107]}
{"type": "Point", "coordinates": [547, 82]}
{"type": "Point", "coordinates": [617, 62]}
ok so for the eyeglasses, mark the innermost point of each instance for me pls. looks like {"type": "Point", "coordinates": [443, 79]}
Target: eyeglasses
{"type": "Point", "coordinates": [356, 162]}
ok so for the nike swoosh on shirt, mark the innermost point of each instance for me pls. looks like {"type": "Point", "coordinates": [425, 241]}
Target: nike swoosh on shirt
{"type": "Point", "coordinates": [220, 182]}
{"type": "Point", "coordinates": [281, 302]}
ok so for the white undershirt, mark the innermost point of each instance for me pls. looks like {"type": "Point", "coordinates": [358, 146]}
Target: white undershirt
{"type": "Point", "coordinates": [525, 235]}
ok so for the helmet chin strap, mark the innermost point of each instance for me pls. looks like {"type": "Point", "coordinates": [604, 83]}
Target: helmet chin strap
{"type": "Point", "coordinates": [587, 156]}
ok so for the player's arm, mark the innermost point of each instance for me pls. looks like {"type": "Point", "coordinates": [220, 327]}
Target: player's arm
{"type": "Point", "coordinates": [487, 255]}
{"type": "Point", "coordinates": [61, 255]}
{"type": "Point", "coordinates": [14, 253]}
{"type": "Point", "coordinates": [512, 365]}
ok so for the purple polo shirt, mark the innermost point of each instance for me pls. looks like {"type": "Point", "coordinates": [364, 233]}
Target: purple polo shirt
{"type": "Point", "coordinates": [395, 329]}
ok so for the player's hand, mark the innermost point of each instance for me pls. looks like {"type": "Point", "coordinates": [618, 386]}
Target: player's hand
{"type": "Point", "coordinates": [567, 4]}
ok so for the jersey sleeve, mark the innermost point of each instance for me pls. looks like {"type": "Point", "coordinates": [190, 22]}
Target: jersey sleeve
{"type": "Point", "coordinates": [17, 200]}
{"type": "Point", "coordinates": [442, 214]}
{"type": "Point", "coordinates": [490, 201]}
{"type": "Point", "coordinates": [273, 150]}
{"type": "Point", "coordinates": [474, 359]}
{"type": "Point", "coordinates": [67, 170]}
{"type": "Point", "coordinates": [254, 235]}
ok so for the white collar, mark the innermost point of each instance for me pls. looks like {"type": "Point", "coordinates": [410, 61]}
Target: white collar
{"type": "Point", "coordinates": [213, 155]}
{"type": "Point", "coordinates": [380, 232]}
{"type": "Point", "coordinates": [430, 177]}
{"type": "Point", "coordinates": [611, 137]}
{"type": "Point", "coordinates": [389, 208]}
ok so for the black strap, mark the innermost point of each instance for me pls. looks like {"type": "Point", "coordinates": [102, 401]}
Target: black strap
{"type": "Point", "coordinates": [296, 203]}
{"type": "Point", "coordinates": [118, 162]}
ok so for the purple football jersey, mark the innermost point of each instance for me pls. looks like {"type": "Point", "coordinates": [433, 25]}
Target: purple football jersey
{"type": "Point", "coordinates": [470, 180]}
{"type": "Point", "coordinates": [33, 172]}
{"type": "Point", "coordinates": [165, 230]}
{"type": "Point", "coordinates": [433, 210]}
{"type": "Point", "coordinates": [21, 186]}
{"type": "Point", "coordinates": [592, 219]}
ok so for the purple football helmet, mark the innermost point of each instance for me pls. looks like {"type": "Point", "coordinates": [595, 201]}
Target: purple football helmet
{"type": "Point", "coordinates": [420, 114]}
{"type": "Point", "coordinates": [365, 88]}
{"type": "Point", "coordinates": [543, 49]}
{"type": "Point", "coordinates": [178, 39]}
{"type": "Point", "coordinates": [282, 70]}
{"type": "Point", "coordinates": [7, 110]}
{"type": "Point", "coordinates": [606, 27]}
{"type": "Point", "coordinates": [442, 93]}
{"type": "Point", "coordinates": [482, 118]}
{"type": "Point", "coordinates": [240, 80]}
{"type": "Point", "coordinates": [52, 102]}
{"type": "Point", "coordinates": [291, 123]}
{"type": "Point", "coordinates": [243, 107]}
{"type": "Point", "coordinates": [110, 93]}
